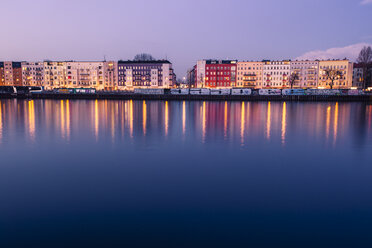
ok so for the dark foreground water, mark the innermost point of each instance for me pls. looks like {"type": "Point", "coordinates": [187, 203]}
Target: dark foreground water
{"type": "Point", "coordinates": [185, 174]}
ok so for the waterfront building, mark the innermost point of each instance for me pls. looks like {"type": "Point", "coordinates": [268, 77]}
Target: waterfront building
{"type": "Point", "coordinates": [12, 73]}
{"type": "Point", "coordinates": [144, 74]}
{"type": "Point", "coordinates": [216, 73]}
{"type": "Point", "coordinates": [110, 69]}
{"type": "Point", "coordinates": [54, 74]}
{"type": "Point", "coordinates": [2, 75]}
{"type": "Point", "coordinates": [85, 74]}
{"type": "Point", "coordinates": [276, 73]}
{"type": "Point", "coordinates": [343, 81]}
{"type": "Point", "coordinates": [191, 77]}
{"type": "Point", "coordinates": [250, 74]}
{"type": "Point", "coordinates": [307, 72]}
{"type": "Point", "coordinates": [359, 77]}
{"type": "Point", "coordinates": [33, 73]}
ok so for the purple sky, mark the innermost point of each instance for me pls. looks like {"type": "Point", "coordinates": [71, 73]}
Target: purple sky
{"type": "Point", "coordinates": [182, 30]}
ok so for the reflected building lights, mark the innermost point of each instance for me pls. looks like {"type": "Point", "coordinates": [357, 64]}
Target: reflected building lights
{"type": "Point", "coordinates": [369, 113]}
{"type": "Point", "coordinates": [225, 121]}
{"type": "Point", "coordinates": [268, 121]}
{"type": "Point", "coordinates": [242, 123]}
{"type": "Point", "coordinates": [131, 118]}
{"type": "Point", "coordinates": [96, 119]}
{"type": "Point", "coordinates": [219, 121]}
{"type": "Point", "coordinates": [62, 119]}
{"type": "Point", "coordinates": [68, 119]}
{"type": "Point", "coordinates": [166, 118]}
{"type": "Point", "coordinates": [123, 112]}
{"type": "Point", "coordinates": [144, 117]}
{"type": "Point", "coordinates": [203, 122]}
{"type": "Point", "coordinates": [284, 122]}
{"type": "Point", "coordinates": [184, 118]}
{"type": "Point", "coordinates": [328, 121]}
{"type": "Point", "coordinates": [1, 123]}
{"type": "Point", "coordinates": [113, 114]}
{"type": "Point", "coordinates": [31, 119]}
{"type": "Point", "coordinates": [335, 127]}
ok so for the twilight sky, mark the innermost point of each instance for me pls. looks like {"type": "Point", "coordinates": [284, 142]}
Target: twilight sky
{"type": "Point", "coordinates": [183, 30]}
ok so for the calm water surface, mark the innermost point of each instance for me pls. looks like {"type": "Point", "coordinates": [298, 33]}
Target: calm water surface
{"type": "Point", "coordinates": [185, 174]}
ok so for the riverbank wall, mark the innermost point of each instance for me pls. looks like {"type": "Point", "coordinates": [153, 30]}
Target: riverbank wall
{"type": "Point", "coordinates": [166, 97]}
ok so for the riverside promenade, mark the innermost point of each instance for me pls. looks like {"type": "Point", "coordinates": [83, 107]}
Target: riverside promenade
{"type": "Point", "coordinates": [168, 97]}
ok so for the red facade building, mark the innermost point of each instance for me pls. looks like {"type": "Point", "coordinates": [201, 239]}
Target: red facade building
{"type": "Point", "coordinates": [216, 73]}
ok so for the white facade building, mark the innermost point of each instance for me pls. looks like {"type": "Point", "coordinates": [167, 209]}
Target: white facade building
{"type": "Point", "coordinates": [145, 74]}
{"type": "Point", "coordinates": [276, 73]}
{"type": "Point", "coordinates": [85, 75]}
{"type": "Point", "coordinates": [111, 75]}
{"type": "Point", "coordinates": [307, 72]}
{"type": "Point", "coordinates": [33, 73]}
{"type": "Point", "coordinates": [200, 73]}
{"type": "Point", "coordinates": [54, 74]}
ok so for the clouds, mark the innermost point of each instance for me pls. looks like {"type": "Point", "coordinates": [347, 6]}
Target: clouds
{"type": "Point", "coordinates": [351, 52]}
{"type": "Point", "coordinates": [366, 2]}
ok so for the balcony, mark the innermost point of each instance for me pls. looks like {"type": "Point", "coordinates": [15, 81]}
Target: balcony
{"type": "Point", "coordinates": [249, 84]}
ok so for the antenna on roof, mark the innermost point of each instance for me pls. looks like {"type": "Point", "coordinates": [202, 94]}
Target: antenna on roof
{"type": "Point", "coordinates": [104, 58]}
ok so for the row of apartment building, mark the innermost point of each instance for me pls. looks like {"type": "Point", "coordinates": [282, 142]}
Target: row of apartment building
{"type": "Point", "coordinates": [102, 75]}
{"type": "Point", "coordinates": [273, 74]}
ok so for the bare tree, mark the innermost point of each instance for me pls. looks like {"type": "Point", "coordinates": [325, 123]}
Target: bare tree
{"type": "Point", "coordinates": [365, 59]}
{"type": "Point", "coordinates": [202, 80]}
{"type": "Point", "coordinates": [293, 78]}
{"type": "Point", "coordinates": [143, 57]}
{"type": "Point", "coordinates": [332, 74]}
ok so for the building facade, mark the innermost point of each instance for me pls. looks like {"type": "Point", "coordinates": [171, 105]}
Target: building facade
{"type": "Point", "coordinates": [276, 74]}
{"type": "Point", "coordinates": [33, 73]}
{"type": "Point", "coordinates": [191, 77]}
{"type": "Point", "coordinates": [249, 74]}
{"type": "Point", "coordinates": [110, 69]}
{"type": "Point", "coordinates": [85, 75]}
{"type": "Point", "coordinates": [2, 74]}
{"type": "Point", "coordinates": [359, 77]}
{"type": "Point", "coordinates": [307, 72]}
{"type": "Point", "coordinates": [216, 73]}
{"type": "Point", "coordinates": [12, 73]}
{"type": "Point", "coordinates": [143, 74]}
{"type": "Point", "coordinates": [54, 74]}
{"type": "Point", "coordinates": [343, 81]}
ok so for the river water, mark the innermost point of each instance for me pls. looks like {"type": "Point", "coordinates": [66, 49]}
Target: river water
{"type": "Point", "coordinates": [185, 174]}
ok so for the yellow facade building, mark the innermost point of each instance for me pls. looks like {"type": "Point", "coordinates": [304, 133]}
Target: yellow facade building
{"type": "Point", "coordinates": [249, 74]}
{"type": "Point", "coordinates": [344, 79]}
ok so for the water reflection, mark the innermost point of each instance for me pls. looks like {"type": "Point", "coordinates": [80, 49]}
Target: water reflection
{"type": "Point", "coordinates": [204, 122]}
{"type": "Point", "coordinates": [184, 118]}
{"type": "Point", "coordinates": [328, 122]}
{"type": "Point", "coordinates": [144, 117]}
{"type": "Point", "coordinates": [225, 121]}
{"type": "Point", "coordinates": [268, 121]}
{"type": "Point", "coordinates": [242, 123]}
{"type": "Point", "coordinates": [335, 124]}
{"type": "Point", "coordinates": [96, 119]}
{"type": "Point", "coordinates": [166, 119]}
{"type": "Point", "coordinates": [1, 122]}
{"type": "Point", "coordinates": [31, 120]}
{"type": "Point", "coordinates": [284, 121]}
{"type": "Point", "coordinates": [131, 118]}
